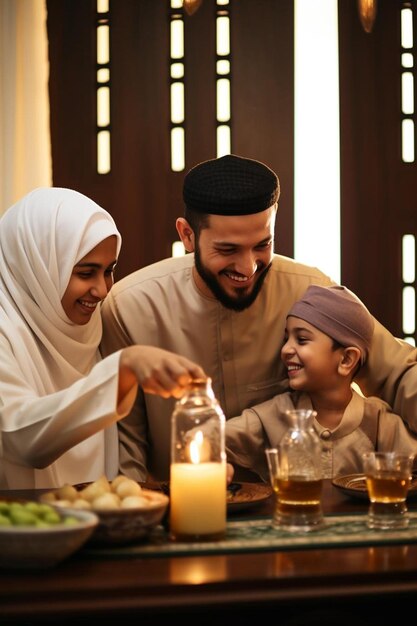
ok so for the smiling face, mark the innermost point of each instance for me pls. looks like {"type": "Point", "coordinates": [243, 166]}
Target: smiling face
{"type": "Point", "coordinates": [90, 282]}
{"type": "Point", "coordinates": [232, 256]}
{"type": "Point", "coordinates": [310, 356]}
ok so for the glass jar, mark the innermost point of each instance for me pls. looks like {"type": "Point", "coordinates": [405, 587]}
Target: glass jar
{"type": "Point", "coordinates": [299, 481]}
{"type": "Point", "coordinates": [198, 490]}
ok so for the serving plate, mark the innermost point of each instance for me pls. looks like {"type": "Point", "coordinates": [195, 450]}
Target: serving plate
{"type": "Point", "coordinates": [243, 495]}
{"type": "Point", "coordinates": [355, 485]}
{"type": "Point", "coordinates": [239, 495]}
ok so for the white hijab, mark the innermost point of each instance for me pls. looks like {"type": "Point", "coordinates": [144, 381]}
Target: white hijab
{"type": "Point", "coordinates": [42, 237]}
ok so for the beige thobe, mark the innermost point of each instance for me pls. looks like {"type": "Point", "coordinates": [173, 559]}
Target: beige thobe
{"type": "Point", "coordinates": [367, 424]}
{"type": "Point", "coordinates": [160, 305]}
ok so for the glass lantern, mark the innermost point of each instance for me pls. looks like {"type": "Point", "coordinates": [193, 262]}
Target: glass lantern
{"type": "Point", "coordinates": [198, 490]}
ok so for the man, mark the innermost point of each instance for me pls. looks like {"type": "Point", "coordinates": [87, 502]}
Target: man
{"type": "Point", "coordinates": [224, 306]}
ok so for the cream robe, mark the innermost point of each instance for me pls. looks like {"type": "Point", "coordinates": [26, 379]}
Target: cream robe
{"type": "Point", "coordinates": [264, 425]}
{"type": "Point", "coordinates": [57, 401]}
{"type": "Point", "coordinates": [160, 305]}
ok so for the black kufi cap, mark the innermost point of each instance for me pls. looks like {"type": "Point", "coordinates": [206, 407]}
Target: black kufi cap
{"type": "Point", "coordinates": [230, 185]}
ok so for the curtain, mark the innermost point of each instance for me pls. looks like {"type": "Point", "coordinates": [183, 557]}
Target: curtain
{"type": "Point", "coordinates": [25, 153]}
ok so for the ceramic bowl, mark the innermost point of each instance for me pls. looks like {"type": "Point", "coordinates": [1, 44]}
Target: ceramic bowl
{"type": "Point", "coordinates": [126, 511]}
{"type": "Point", "coordinates": [121, 526]}
{"type": "Point", "coordinates": [30, 547]}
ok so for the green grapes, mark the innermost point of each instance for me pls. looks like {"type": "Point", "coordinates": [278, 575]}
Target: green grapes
{"type": "Point", "coordinates": [36, 514]}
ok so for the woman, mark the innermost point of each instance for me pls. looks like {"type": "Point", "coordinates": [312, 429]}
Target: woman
{"type": "Point", "coordinates": [59, 401]}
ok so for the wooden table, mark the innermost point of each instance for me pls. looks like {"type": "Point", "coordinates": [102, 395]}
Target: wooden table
{"type": "Point", "coordinates": [302, 587]}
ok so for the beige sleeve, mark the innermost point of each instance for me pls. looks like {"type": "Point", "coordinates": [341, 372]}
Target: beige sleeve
{"type": "Point", "coordinates": [115, 335]}
{"type": "Point", "coordinates": [245, 443]}
{"type": "Point", "coordinates": [133, 442]}
{"type": "Point", "coordinates": [393, 434]}
{"type": "Point", "coordinates": [391, 374]}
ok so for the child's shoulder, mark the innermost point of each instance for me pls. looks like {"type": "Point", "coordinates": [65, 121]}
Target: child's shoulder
{"type": "Point", "coordinates": [377, 403]}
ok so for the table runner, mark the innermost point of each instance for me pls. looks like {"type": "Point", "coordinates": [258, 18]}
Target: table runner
{"type": "Point", "coordinates": [258, 535]}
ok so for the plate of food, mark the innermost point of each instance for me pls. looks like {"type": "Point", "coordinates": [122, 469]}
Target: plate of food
{"type": "Point", "coordinates": [243, 495]}
{"type": "Point", "coordinates": [355, 485]}
{"type": "Point", "coordinates": [240, 495]}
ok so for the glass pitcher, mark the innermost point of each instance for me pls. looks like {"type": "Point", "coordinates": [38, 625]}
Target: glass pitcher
{"type": "Point", "coordinates": [296, 474]}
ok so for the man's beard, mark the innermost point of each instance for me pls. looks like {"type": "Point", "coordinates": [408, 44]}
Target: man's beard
{"type": "Point", "coordinates": [237, 303]}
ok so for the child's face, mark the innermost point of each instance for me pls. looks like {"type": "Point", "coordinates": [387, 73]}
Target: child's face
{"type": "Point", "coordinates": [310, 358]}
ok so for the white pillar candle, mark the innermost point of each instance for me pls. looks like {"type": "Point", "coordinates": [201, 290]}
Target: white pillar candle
{"type": "Point", "coordinates": [198, 499]}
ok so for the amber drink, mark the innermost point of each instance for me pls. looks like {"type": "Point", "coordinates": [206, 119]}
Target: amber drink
{"type": "Point", "coordinates": [296, 475]}
{"type": "Point", "coordinates": [299, 501]}
{"type": "Point", "coordinates": [388, 487]}
{"type": "Point", "coordinates": [388, 479]}
{"type": "Point", "coordinates": [299, 491]}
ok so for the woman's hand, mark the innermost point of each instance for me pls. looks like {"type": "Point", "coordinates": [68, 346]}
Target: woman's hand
{"type": "Point", "coordinates": [157, 371]}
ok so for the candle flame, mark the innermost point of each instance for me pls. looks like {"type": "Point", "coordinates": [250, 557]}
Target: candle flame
{"type": "Point", "coordinates": [195, 451]}
{"type": "Point", "coordinates": [199, 448]}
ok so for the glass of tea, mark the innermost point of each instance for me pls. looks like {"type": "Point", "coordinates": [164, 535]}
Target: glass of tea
{"type": "Point", "coordinates": [388, 479]}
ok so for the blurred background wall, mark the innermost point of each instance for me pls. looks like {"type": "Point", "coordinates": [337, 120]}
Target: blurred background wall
{"type": "Point", "coordinates": [130, 110]}
{"type": "Point", "coordinates": [25, 152]}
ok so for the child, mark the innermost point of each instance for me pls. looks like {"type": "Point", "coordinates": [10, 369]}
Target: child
{"type": "Point", "coordinates": [328, 334]}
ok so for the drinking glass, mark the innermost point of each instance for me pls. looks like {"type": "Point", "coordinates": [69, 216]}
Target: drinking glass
{"type": "Point", "coordinates": [388, 479]}
{"type": "Point", "coordinates": [295, 475]}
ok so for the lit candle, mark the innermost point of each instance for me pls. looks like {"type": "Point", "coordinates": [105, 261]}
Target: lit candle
{"type": "Point", "coordinates": [198, 500]}
{"type": "Point", "coordinates": [198, 490]}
